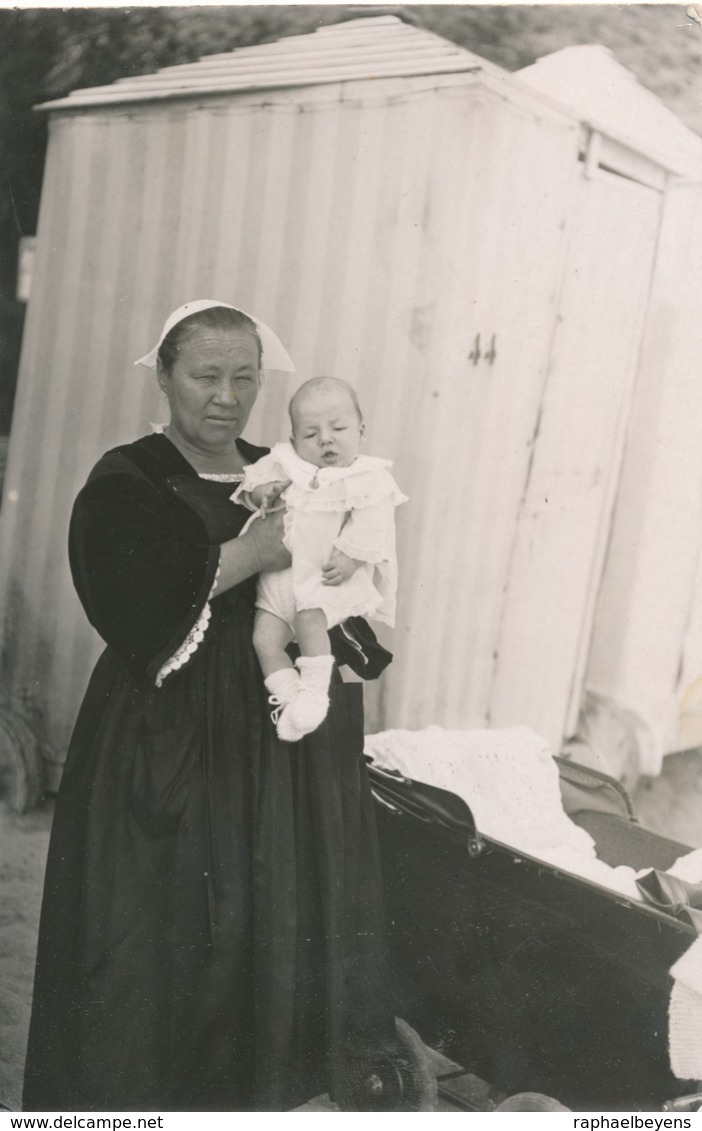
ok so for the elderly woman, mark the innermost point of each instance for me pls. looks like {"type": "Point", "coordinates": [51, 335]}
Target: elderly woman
{"type": "Point", "coordinates": [209, 932]}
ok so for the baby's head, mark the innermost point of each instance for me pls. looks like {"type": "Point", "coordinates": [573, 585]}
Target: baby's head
{"type": "Point", "coordinates": [327, 425]}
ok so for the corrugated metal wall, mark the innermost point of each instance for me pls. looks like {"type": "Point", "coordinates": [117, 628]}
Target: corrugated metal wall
{"type": "Point", "coordinates": [410, 238]}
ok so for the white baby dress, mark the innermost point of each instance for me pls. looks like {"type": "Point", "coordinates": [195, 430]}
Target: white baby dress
{"type": "Point", "coordinates": [350, 508]}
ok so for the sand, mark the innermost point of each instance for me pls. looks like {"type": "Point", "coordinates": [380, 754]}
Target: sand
{"type": "Point", "coordinates": [23, 844]}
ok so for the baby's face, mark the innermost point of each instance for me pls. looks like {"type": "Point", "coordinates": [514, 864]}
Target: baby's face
{"type": "Point", "coordinates": [326, 429]}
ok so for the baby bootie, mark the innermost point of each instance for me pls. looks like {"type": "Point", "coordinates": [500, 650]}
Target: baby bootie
{"type": "Point", "coordinates": [283, 685]}
{"type": "Point", "coordinates": [308, 709]}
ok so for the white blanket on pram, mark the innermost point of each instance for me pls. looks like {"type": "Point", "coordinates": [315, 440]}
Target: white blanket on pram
{"type": "Point", "coordinates": [510, 782]}
{"type": "Point", "coordinates": [685, 1015]}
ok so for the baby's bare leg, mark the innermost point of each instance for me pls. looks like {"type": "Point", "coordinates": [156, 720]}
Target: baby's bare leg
{"type": "Point", "coordinates": [311, 632]}
{"type": "Point", "coordinates": [271, 636]}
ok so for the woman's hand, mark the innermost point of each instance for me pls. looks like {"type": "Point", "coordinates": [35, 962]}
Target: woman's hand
{"type": "Point", "coordinates": [268, 540]}
{"type": "Point", "coordinates": [340, 567]}
{"type": "Point", "coordinates": [260, 548]}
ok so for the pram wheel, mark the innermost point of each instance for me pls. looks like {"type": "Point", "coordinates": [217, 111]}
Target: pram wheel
{"type": "Point", "coordinates": [399, 1079]}
{"type": "Point", "coordinates": [530, 1101]}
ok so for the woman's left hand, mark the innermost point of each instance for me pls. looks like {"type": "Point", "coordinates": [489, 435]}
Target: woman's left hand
{"type": "Point", "coordinates": [339, 568]}
{"type": "Point", "coordinates": [268, 538]}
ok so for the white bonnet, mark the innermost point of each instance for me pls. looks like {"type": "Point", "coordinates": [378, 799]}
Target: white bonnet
{"type": "Point", "coordinates": [275, 355]}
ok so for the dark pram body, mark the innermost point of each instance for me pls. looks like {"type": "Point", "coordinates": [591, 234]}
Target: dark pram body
{"type": "Point", "coordinates": [533, 979]}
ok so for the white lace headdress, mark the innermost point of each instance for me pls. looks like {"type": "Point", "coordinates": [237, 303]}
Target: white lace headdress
{"type": "Point", "coordinates": [275, 355]}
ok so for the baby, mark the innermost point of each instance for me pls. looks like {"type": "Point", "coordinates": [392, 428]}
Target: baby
{"type": "Point", "coordinates": [340, 530]}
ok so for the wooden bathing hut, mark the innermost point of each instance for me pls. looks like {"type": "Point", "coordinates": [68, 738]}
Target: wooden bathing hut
{"type": "Point", "coordinates": [642, 695]}
{"type": "Point", "coordinates": [477, 258]}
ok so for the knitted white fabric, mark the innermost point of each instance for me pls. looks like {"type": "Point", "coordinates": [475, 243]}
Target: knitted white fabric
{"type": "Point", "coordinates": [283, 685]}
{"type": "Point", "coordinates": [685, 1015]}
{"type": "Point", "coordinates": [688, 867]}
{"type": "Point", "coordinates": [510, 782]}
{"type": "Point", "coordinates": [685, 1011]}
{"type": "Point", "coordinates": [507, 777]}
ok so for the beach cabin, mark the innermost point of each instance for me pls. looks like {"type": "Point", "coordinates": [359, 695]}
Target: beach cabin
{"type": "Point", "coordinates": [502, 271]}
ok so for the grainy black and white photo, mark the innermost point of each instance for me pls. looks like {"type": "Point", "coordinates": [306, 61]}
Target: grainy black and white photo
{"type": "Point", "coordinates": [351, 559]}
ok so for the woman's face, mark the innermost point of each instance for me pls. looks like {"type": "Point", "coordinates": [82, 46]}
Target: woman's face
{"type": "Point", "coordinates": [212, 387]}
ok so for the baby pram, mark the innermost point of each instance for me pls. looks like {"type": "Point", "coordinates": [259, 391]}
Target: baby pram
{"type": "Point", "coordinates": [533, 979]}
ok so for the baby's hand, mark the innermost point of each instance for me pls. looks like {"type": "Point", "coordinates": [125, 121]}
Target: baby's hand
{"type": "Point", "coordinates": [340, 567]}
{"type": "Point", "coordinates": [267, 495]}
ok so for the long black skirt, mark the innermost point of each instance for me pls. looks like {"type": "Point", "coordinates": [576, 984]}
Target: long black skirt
{"type": "Point", "coordinates": [211, 931]}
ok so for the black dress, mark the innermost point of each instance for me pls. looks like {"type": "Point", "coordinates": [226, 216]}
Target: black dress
{"type": "Point", "coordinates": [211, 928]}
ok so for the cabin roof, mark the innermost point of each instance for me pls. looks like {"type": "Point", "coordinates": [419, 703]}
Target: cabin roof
{"type": "Point", "coordinates": [370, 48]}
{"type": "Point", "coordinates": [590, 83]}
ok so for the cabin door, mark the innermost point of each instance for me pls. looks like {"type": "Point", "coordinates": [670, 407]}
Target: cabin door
{"type": "Point", "coordinates": [566, 513]}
